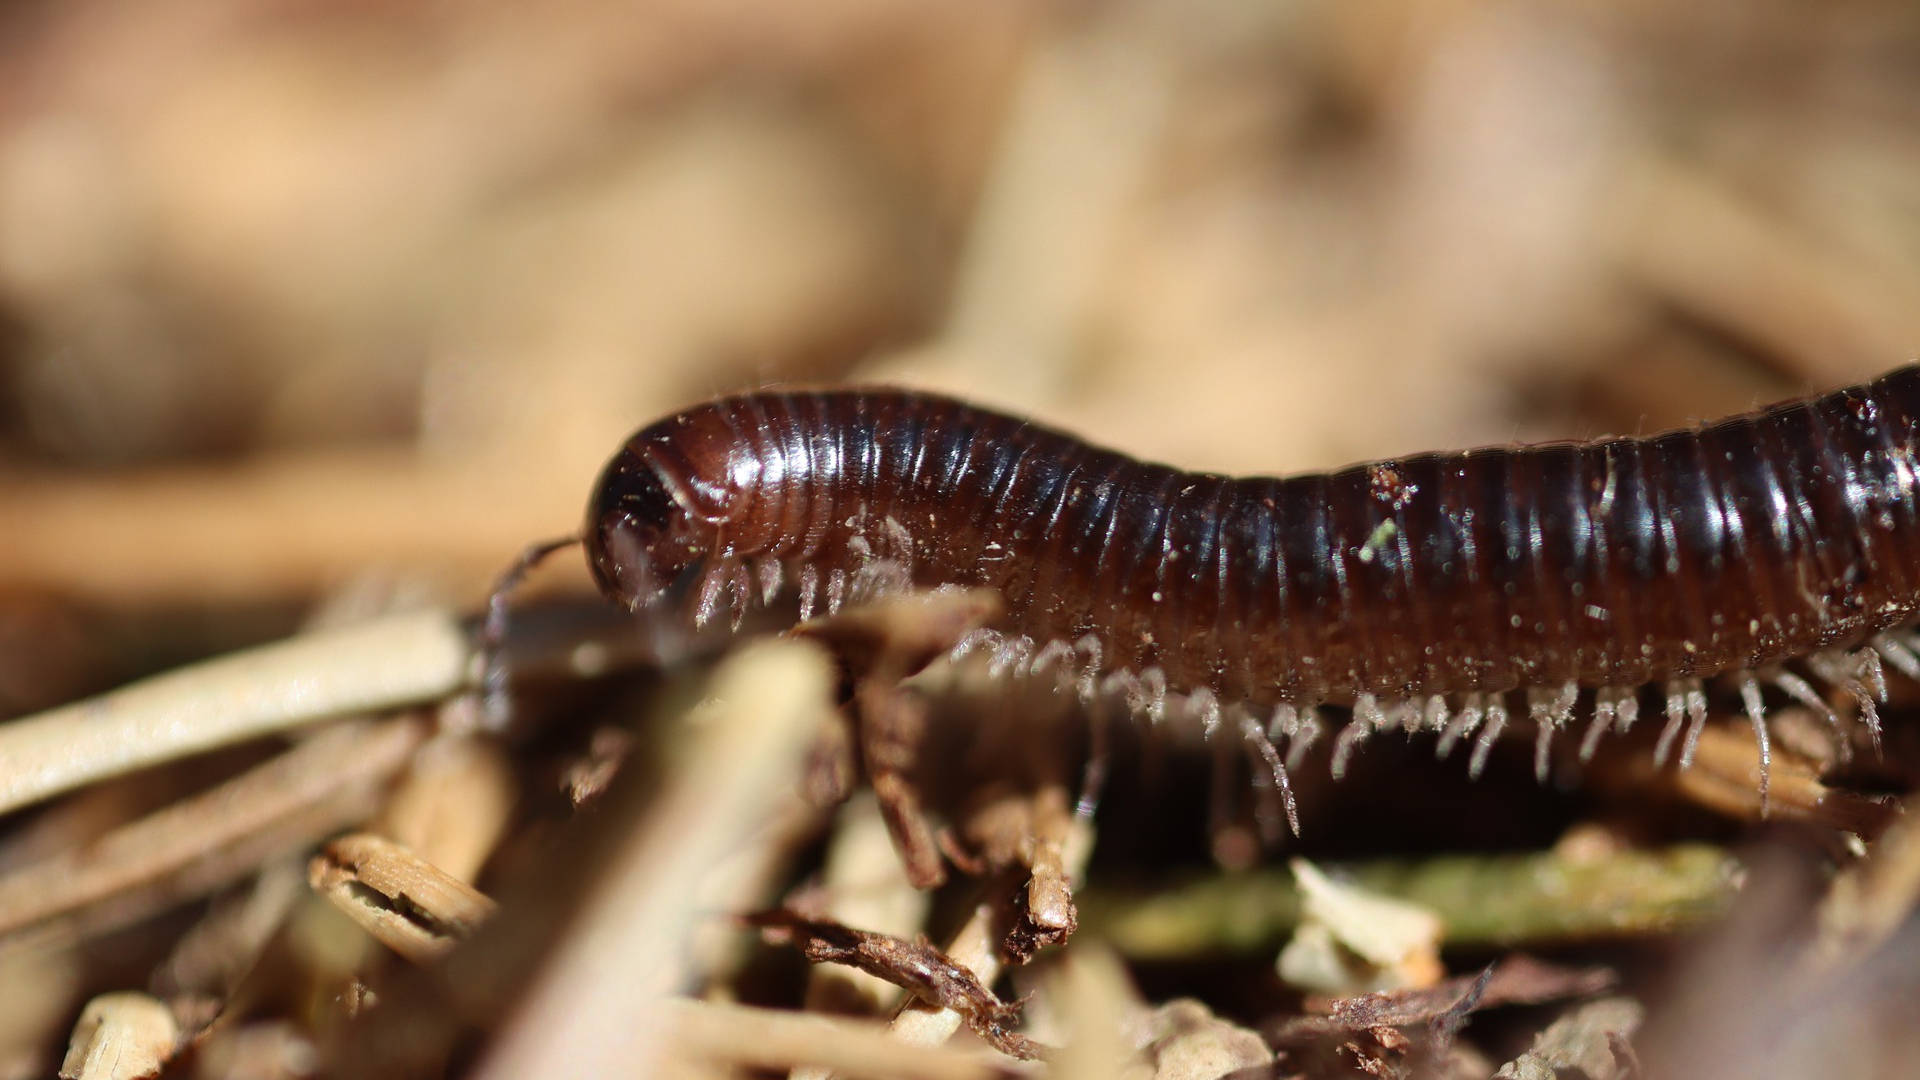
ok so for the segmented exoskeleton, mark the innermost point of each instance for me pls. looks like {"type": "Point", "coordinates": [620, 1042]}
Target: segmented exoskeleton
{"type": "Point", "coordinates": [1438, 590]}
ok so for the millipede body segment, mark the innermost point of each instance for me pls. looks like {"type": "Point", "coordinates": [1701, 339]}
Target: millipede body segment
{"type": "Point", "coordinates": [1420, 591]}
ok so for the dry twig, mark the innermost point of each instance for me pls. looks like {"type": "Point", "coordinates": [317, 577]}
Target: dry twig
{"type": "Point", "coordinates": [208, 840]}
{"type": "Point", "coordinates": [383, 664]}
{"type": "Point", "coordinates": [916, 967]}
{"type": "Point", "coordinates": [976, 947]}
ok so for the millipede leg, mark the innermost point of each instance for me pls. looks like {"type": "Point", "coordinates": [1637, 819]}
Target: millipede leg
{"type": "Point", "coordinates": [1206, 707]}
{"type": "Point", "coordinates": [1093, 776]}
{"type": "Point", "coordinates": [1603, 716]}
{"type": "Point", "coordinates": [1696, 720]}
{"type": "Point", "coordinates": [1896, 652]}
{"type": "Point", "coordinates": [768, 574]}
{"type": "Point", "coordinates": [1367, 718]}
{"type": "Point", "coordinates": [1154, 681]}
{"type": "Point", "coordinates": [1250, 730]}
{"type": "Point", "coordinates": [1011, 652]}
{"type": "Point", "coordinates": [1676, 717]}
{"type": "Point", "coordinates": [1872, 673]}
{"type": "Point", "coordinates": [1352, 734]}
{"type": "Point", "coordinates": [1802, 691]}
{"type": "Point", "coordinates": [1284, 724]}
{"type": "Point", "coordinates": [1850, 673]}
{"type": "Point", "coordinates": [809, 592]}
{"type": "Point", "coordinates": [1465, 723]}
{"type": "Point", "coordinates": [836, 590]}
{"type": "Point", "coordinates": [1304, 728]}
{"type": "Point", "coordinates": [711, 586]}
{"type": "Point", "coordinates": [1496, 723]}
{"type": "Point", "coordinates": [1220, 792]}
{"type": "Point", "coordinates": [740, 589]}
{"type": "Point", "coordinates": [1548, 715]}
{"type": "Point", "coordinates": [1629, 709]}
{"type": "Point", "coordinates": [1087, 653]}
{"type": "Point", "coordinates": [972, 641]}
{"type": "Point", "coordinates": [1756, 712]}
{"type": "Point", "coordinates": [1057, 653]}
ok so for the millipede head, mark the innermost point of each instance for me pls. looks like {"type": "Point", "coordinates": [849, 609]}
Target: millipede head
{"type": "Point", "coordinates": [646, 522]}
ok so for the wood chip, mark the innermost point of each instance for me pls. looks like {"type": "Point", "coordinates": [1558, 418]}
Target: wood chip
{"type": "Point", "coordinates": [120, 1037]}
{"type": "Point", "coordinates": [1184, 1040]}
{"type": "Point", "coordinates": [1587, 1042]}
{"type": "Point", "coordinates": [411, 906]}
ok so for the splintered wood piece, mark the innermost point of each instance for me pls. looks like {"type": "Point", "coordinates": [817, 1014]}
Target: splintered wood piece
{"type": "Point", "coordinates": [120, 1036]}
{"type": "Point", "coordinates": [411, 906]}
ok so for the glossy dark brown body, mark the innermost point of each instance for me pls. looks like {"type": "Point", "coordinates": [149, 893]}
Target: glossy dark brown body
{"type": "Point", "coordinates": [1751, 541]}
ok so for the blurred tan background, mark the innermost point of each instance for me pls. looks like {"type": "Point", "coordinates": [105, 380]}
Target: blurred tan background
{"type": "Point", "coordinates": [295, 292]}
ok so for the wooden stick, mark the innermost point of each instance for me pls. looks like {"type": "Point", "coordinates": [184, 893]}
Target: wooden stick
{"type": "Point", "coordinates": [383, 664]}
{"type": "Point", "coordinates": [208, 839]}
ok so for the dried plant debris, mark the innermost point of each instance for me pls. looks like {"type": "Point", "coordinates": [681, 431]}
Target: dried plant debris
{"type": "Point", "coordinates": [411, 906]}
{"type": "Point", "coordinates": [270, 1050]}
{"type": "Point", "coordinates": [1549, 897]}
{"type": "Point", "coordinates": [878, 646]}
{"type": "Point", "coordinates": [121, 1036]}
{"type": "Point", "coordinates": [1184, 1040]}
{"type": "Point", "coordinates": [1391, 1033]}
{"type": "Point", "coordinates": [917, 967]}
{"type": "Point", "coordinates": [206, 965]}
{"type": "Point", "coordinates": [1726, 767]}
{"type": "Point", "coordinates": [820, 1045]}
{"type": "Point", "coordinates": [454, 803]}
{"type": "Point", "coordinates": [39, 991]}
{"type": "Point", "coordinates": [380, 664]}
{"type": "Point", "coordinates": [1869, 901]}
{"type": "Point", "coordinates": [1516, 980]}
{"type": "Point", "coordinates": [1035, 832]}
{"type": "Point", "coordinates": [209, 840]}
{"type": "Point", "coordinates": [1350, 940]}
{"type": "Point", "coordinates": [1589, 1042]}
{"type": "Point", "coordinates": [714, 822]}
{"type": "Point", "coordinates": [863, 883]}
{"type": "Point", "coordinates": [978, 946]}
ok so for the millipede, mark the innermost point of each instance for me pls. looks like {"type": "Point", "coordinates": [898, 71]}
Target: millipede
{"type": "Point", "coordinates": [1776, 551]}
